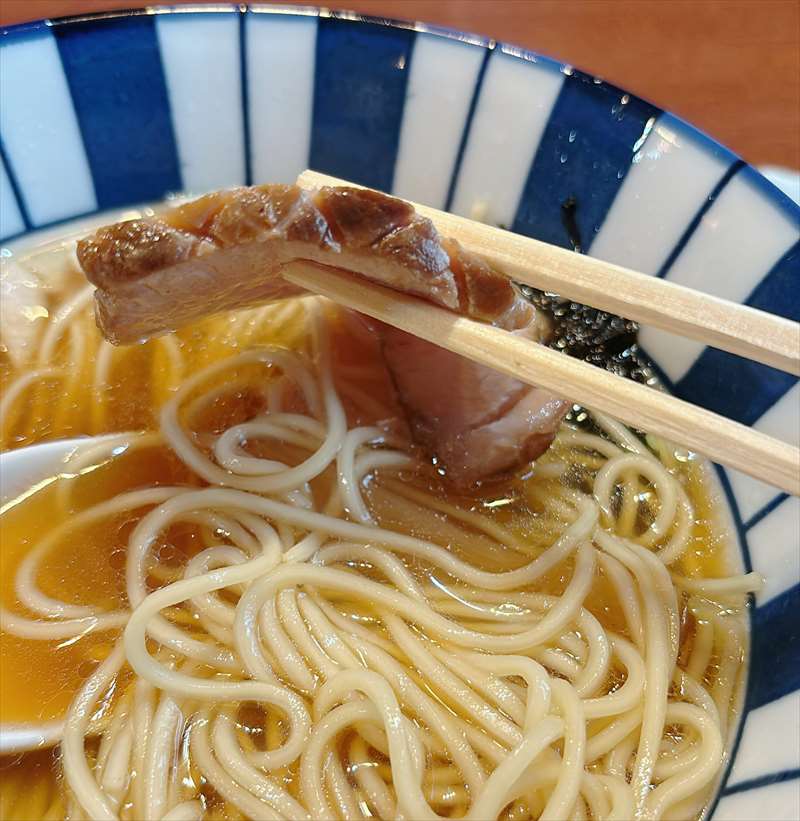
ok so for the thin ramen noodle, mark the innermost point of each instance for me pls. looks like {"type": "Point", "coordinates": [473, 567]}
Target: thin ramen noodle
{"type": "Point", "coordinates": [259, 601]}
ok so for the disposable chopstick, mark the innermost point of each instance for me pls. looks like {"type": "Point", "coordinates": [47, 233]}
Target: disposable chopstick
{"type": "Point", "coordinates": [717, 437]}
{"type": "Point", "coordinates": [649, 300]}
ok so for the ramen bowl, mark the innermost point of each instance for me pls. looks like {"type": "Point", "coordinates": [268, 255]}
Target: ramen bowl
{"type": "Point", "coordinates": [115, 110]}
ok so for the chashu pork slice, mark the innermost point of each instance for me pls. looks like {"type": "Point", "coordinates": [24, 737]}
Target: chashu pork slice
{"type": "Point", "coordinates": [226, 250]}
{"type": "Point", "coordinates": [479, 423]}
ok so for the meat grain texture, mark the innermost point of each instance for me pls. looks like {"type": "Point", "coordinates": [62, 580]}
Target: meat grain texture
{"type": "Point", "coordinates": [226, 251]}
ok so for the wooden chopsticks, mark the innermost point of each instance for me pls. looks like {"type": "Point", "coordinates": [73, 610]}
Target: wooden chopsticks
{"type": "Point", "coordinates": [776, 341]}
{"type": "Point", "coordinates": [649, 300]}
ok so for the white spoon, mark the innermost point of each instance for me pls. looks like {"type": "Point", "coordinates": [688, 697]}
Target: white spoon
{"type": "Point", "coordinates": [21, 471]}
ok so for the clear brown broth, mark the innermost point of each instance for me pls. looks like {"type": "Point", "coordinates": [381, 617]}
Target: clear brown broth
{"type": "Point", "coordinates": [40, 678]}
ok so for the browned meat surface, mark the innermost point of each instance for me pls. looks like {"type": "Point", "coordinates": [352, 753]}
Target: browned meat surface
{"type": "Point", "coordinates": [478, 422]}
{"type": "Point", "coordinates": [226, 250]}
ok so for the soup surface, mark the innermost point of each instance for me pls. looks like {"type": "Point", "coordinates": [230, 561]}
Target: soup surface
{"type": "Point", "coordinates": [260, 600]}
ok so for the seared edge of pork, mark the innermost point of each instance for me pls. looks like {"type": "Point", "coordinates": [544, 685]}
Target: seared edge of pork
{"type": "Point", "coordinates": [225, 250]}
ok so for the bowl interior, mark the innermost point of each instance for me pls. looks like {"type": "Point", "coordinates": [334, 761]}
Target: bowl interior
{"type": "Point", "coordinates": [113, 110]}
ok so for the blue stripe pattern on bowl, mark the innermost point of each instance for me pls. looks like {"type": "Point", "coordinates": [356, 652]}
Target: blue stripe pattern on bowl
{"type": "Point", "coordinates": [129, 107]}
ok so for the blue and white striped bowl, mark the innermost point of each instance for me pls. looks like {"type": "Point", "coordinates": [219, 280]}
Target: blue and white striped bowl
{"type": "Point", "coordinates": [112, 110]}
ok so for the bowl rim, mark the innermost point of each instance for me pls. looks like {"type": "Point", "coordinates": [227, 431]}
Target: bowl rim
{"type": "Point", "coordinates": [29, 29]}
{"type": "Point", "coordinates": [32, 28]}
